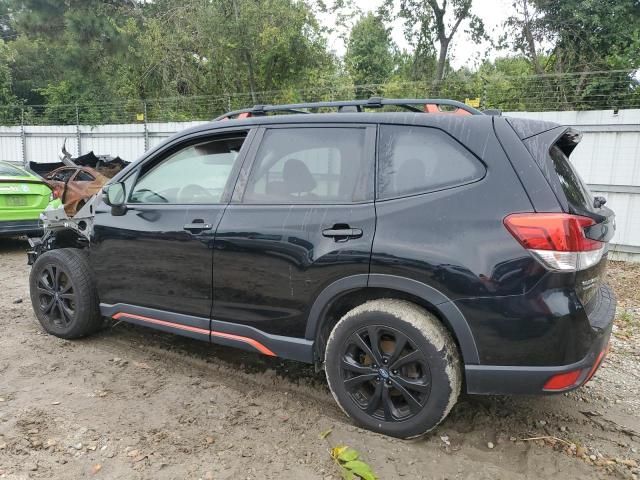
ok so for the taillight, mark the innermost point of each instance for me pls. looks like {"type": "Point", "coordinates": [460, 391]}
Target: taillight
{"type": "Point", "coordinates": [556, 239]}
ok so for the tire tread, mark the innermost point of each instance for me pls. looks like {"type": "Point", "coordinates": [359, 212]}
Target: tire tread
{"type": "Point", "coordinates": [427, 325]}
{"type": "Point", "coordinates": [76, 262]}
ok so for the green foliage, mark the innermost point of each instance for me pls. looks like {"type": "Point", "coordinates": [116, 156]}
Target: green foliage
{"type": "Point", "coordinates": [107, 61]}
{"type": "Point", "coordinates": [7, 114]}
{"type": "Point", "coordinates": [580, 37]}
{"type": "Point", "coordinates": [430, 26]}
{"type": "Point", "coordinates": [82, 52]}
{"type": "Point", "coordinates": [218, 48]}
{"type": "Point", "coordinates": [591, 34]}
{"type": "Point", "coordinates": [370, 54]}
{"type": "Point", "coordinates": [6, 96]}
{"type": "Point", "coordinates": [351, 467]}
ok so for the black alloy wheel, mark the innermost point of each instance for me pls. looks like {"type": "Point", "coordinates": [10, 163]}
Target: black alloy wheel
{"type": "Point", "coordinates": [385, 373]}
{"type": "Point", "coordinates": [393, 367]}
{"type": "Point", "coordinates": [56, 296]}
{"type": "Point", "coordinates": [63, 293]}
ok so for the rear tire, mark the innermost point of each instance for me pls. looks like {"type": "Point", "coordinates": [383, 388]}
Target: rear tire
{"type": "Point", "coordinates": [63, 293]}
{"type": "Point", "coordinates": [393, 367]}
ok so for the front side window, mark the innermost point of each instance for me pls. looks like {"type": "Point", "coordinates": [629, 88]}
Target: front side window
{"type": "Point", "coordinates": [310, 165]}
{"type": "Point", "coordinates": [414, 159]}
{"type": "Point", "coordinates": [196, 174]}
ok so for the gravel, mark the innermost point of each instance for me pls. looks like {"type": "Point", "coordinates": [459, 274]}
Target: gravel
{"type": "Point", "coordinates": [144, 404]}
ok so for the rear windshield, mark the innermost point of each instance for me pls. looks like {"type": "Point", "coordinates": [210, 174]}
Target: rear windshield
{"type": "Point", "coordinates": [576, 191]}
{"type": "Point", "coordinates": [7, 170]}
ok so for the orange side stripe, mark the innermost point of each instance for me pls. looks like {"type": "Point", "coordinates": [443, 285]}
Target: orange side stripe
{"type": "Point", "coordinates": [250, 341]}
{"type": "Point", "coordinates": [162, 322]}
{"type": "Point", "coordinates": [254, 343]}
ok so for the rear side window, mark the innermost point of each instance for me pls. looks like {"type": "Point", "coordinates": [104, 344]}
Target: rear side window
{"type": "Point", "coordinates": [63, 175]}
{"type": "Point", "coordinates": [7, 170]}
{"type": "Point", "coordinates": [414, 160]}
{"type": "Point", "coordinates": [84, 177]}
{"type": "Point", "coordinates": [576, 191]}
{"type": "Point", "coordinates": [310, 165]}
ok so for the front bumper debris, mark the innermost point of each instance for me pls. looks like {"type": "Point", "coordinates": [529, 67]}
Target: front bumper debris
{"type": "Point", "coordinates": [55, 220]}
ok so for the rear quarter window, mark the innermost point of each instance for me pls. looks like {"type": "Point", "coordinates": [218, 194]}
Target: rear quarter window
{"type": "Point", "coordinates": [7, 170]}
{"type": "Point", "coordinates": [414, 160]}
{"type": "Point", "coordinates": [61, 175]}
{"type": "Point", "coordinates": [84, 177]}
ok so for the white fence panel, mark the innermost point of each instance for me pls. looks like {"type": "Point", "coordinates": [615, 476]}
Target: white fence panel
{"type": "Point", "coordinates": [626, 206]}
{"type": "Point", "coordinates": [42, 143]}
{"type": "Point", "coordinates": [127, 141]}
{"type": "Point", "coordinates": [11, 144]}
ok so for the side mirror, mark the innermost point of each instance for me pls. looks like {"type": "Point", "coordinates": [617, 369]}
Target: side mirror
{"type": "Point", "coordinates": [115, 196]}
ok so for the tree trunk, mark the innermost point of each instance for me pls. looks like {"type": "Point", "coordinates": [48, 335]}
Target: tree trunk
{"type": "Point", "coordinates": [252, 80]}
{"type": "Point", "coordinates": [532, 50]}
{"type": "Point", "coordinates": [531, 44]}
{"type": "Point", "coordinates": [442, 61]}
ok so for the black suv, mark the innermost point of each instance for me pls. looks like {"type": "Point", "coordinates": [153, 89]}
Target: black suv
{"type": "Point", "coordinates": [410, 254]}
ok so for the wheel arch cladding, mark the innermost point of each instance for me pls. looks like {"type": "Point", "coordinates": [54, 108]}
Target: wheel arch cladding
{"type": "Point", "coordinates": [344, 294]}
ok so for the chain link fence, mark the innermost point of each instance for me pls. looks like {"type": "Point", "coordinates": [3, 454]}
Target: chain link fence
{"type": "Point", "coordinates": [608, 90]}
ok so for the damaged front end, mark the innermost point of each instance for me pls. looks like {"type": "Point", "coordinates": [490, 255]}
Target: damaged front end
{"type": "Point", "coordinates": [63, 231]}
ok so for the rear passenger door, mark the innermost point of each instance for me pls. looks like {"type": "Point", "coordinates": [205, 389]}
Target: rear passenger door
{"type": "Point", "coordinates": [302, 216]}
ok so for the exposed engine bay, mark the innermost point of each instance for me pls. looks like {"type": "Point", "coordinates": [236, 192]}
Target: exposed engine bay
{"type": "Point", "coordinates": [61, 230]}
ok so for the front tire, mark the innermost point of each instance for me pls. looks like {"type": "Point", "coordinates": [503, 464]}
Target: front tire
{"type": "Point", "coordinates": [393, 367]}
{"type": "Point", "coordinates": [63, 293]}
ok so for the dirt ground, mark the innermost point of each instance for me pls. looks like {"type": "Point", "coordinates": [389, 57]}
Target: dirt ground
{"type": "Point", "coordinates": [134, 403]}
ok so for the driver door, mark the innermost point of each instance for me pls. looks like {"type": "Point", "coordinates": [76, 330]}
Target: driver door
{"type": "Point", "coordinates": [158, 254]}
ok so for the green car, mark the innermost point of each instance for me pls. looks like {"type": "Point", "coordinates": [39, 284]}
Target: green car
{"type": "Point", "coordinates": [23, 197]}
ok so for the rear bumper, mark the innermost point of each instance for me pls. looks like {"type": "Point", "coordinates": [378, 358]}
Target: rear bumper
{"type": "Point", "coordinates": [514, 380]}
{"type": "Point", "coordinates": [20, 227]}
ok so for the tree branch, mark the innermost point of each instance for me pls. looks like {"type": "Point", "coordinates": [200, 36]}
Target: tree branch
{"type": "Point", "coordinates": [455, 27]}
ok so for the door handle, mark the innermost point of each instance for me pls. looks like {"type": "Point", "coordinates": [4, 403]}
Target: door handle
{"type": "Point", "coordinates": [342, 234]}
{"type": "Point", "coordinates": [197, 226]}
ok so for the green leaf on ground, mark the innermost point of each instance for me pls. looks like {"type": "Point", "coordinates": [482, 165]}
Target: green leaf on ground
{"type": "Point", "coordinates": [352, 467]}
